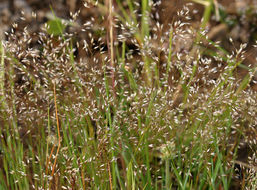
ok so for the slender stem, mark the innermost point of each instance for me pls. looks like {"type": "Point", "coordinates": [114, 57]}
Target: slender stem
{"type": "Point", "coordinates": [167, 172]}
{"type": "Point", "coordinates": [110, 41]}
{"type": "Point", "coordinates": [110, 175]}
{"type": "Point", "coordinates": [58, 130]}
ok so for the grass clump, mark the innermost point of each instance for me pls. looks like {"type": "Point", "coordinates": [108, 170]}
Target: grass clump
{"type": "Point", "coordinates": [166, 114]}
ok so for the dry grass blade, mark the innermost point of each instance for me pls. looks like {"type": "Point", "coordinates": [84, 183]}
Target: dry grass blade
{"type": "Point", "coordinates": [59, 139]}
{"type": "Point", "coordinates": [110, 44]}
{"type": "Point", "coordinates": [110, 175]}
{"type": "Point", "coordinates": [58, 129]}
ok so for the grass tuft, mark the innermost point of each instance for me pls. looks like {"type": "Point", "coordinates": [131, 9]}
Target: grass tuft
{"type": "Point", "coordinates": [136, 104]}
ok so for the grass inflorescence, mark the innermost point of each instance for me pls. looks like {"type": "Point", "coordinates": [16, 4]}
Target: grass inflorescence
{"type": "Point", "coordinates": [123, 102]}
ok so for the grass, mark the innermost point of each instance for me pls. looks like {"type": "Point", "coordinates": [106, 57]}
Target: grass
{"type": "Point", "coordinates": [125, 118]}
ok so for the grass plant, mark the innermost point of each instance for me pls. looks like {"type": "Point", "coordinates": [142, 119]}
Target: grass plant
{"type": "Point", "coordinates": [147, 117]}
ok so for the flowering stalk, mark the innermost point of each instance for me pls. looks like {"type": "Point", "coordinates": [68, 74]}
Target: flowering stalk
{"type": "Point", "coordinates": [110, 46]}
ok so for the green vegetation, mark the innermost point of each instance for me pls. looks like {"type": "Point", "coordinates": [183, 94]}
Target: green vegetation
{"type": "Point", "coordinates": [158, 118]}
